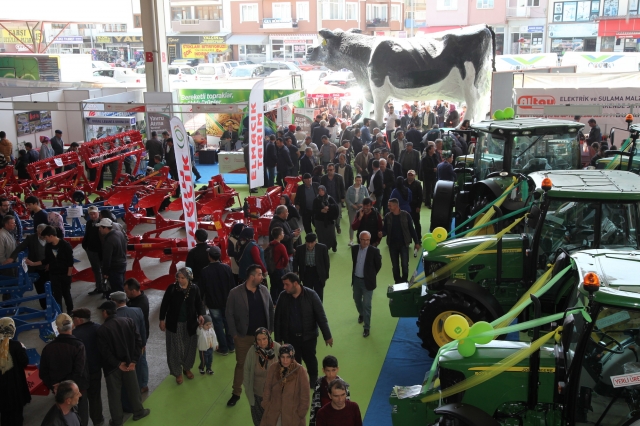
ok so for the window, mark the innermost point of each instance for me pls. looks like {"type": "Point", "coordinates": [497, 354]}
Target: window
{"type": "Point", "coordinates": [178, 13]}
{"type": "Point", "coordinates": [86, 26]}
{"type": "Point", "coordinates": [533, 3]}
{"type": "Point", "coordinates": [302, 11]}
{"type": "Point", "coordinates": [114, 28]}
{"type": "Point", "coordinates": [249, 12]}
{"type": "Point", "coordinates": [376, 14]}
{"type": "Point", "coordinates": [333, 9]}
{"type": "Point", "coordinates": [522, 43]}
{"type": "Point", "coordinates": [633, 7]}
{"type": "Point", "coordinates": [447, 5]}
{"type": "Point", "coordinates": [580, 11]}
{"type": "Point", "coordinates": [484, 4]}
{"type": "Point", "coordinates": [352, 12]}
{"type": "Point", "coordinates": [395, 12]}
{"type": "Point", "coordinates": [58, 26]}
{"type": "Point", "coordinates": [209, 13]}
{"type": "Point", "coordinates": [610, 8]}
{"type": "Point", "coordinates": [137, 20]}
{"type": "Point", "coordinates": [281, 11]}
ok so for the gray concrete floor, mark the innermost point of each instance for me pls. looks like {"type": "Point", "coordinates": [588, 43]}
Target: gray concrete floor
{"type": "Point", "coordinates": [156, 349]}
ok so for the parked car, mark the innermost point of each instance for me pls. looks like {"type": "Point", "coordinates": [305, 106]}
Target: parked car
{"type": "Point", "coordinates": [247, 71]}
{"type": "Point", "coordinates": [100, 65]}
{"type": "Point", "coordinates": [211, 72]}
{"type": "Point", "coordinates": [304, 65]}
{"type": "Point", "coordinates": [189, 62]}
{"type": "Point", "coordinates": [342, 79]}
{"type": "Point", "coordinates": [270, 67]}
{"type": "Point", "coordinates": [121, 75]}
{"type": "Point", "coordinates": [182, 73]}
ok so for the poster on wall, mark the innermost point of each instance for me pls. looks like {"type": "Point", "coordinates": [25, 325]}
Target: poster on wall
{"type": "Point", "coordinates": [31, 122]}
{"type": "Point", "coordinates": [158, 122]}
{"type": "Point", "coordinates": [303, 117]}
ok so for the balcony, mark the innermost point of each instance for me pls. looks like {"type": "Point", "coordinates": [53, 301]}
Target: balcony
{"type": "Point", "coordinates": [196, 26]}
{"type": "Point", "coordinates": [523, 12]}
{"type": "Point", "coordinates": [377, 23]}
{"type": "Point", "coordinates": [280, 24]}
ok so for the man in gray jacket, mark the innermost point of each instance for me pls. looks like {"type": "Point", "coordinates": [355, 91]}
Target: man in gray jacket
{"type": "Point", "coordinates": [114, 255]}
{"type": "Point", "coordinates": [249, 307]}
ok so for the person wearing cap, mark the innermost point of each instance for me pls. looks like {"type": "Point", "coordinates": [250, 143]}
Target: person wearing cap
{"type": "Point", "coordinates": [249, 307]}
{"type": "Point", "coordinates": [114, 255]}
{"type": "Point", "coordinates": [120, 348]}
{"type": "Point", "coordinates": [311, 263]}
{"type": "Point", "coordinates": [325, 214]}
{"type": "Point", "coordinates": [92, 245]}
{"type": "Point", "coordinates": [305, 194]}
{"type": "Point", "coordinates": [378, 142]}
{"type": "Point", "coordinates": [291, 132]}
{"type": "Point", "coordinates": [445, 169]}
{"type": "Point", "coordinates": [154, 147]}
{"type": "Point", "coordinates": [58, 257]}
{"type": "Point", "coordinates": [136, 314]}
{"type": "Point", "coordinates": [198, 258]}
{"type": "Point", "coordinates": [64, 358]}
{"type": "Point", "coordinates": [251, 254]}
{"type": "Point", "coordinates": [57, 144]}
{"type": "Point", "coordinates": [416, 199]}
{"type": "Point", "coordinates": [13, 381]}
{"type": "Point", "coordinates": [87, 331]}
{"type": "Point", "coordinates": [216, 281]}
{"type": "Point", "coordinates": [409, 158]}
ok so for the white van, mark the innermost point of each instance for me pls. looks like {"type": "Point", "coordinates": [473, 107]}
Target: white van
{"type": "Point", "coordinates": [121, 75]}
{"type": "Point", "coordinates": [211, 72]}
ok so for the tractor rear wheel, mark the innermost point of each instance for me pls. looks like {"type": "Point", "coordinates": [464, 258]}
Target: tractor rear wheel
{"type": "Point", "coordinates": [440, 306]}
{"type": "Point", "coordinates": [443, 202]}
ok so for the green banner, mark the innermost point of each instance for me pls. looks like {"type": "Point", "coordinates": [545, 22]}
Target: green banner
{"type": "Point", "coordinates": [226, 96]}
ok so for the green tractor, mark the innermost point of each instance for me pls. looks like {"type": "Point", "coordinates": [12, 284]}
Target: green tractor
{"type": "Point", "coordinates": [586, 373]}
{"type": "Point", "coordinates": [504, 149]}
{"type": "Point", "coordinates": [481, 277]}
{"type": "Point", "coordinates": [627, 157]}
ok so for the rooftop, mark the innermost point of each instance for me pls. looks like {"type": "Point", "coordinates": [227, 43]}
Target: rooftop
{"type": "Point", "coordinates": [591, 184]}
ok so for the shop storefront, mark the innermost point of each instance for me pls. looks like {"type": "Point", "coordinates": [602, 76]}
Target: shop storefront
{"type": "Point", "coordinates": [619, 35]}
{"type": "Point", "coordinates": [14, 40]}
{"type": "Point", "coordinates": [250, 47]}
{"type": "Point", "coordinates": [126, 47]}
{"type": "Point", "coordinates": [526, 39]}
{"type": "Point", "coordinates": [573, 38]}
{"type": "Point", "coordinates": [291, 47]}
{"type": "Point", "coordinates": [206, 48]}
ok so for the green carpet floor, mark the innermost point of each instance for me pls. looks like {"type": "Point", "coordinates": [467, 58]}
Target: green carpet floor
{"type": "Point", "coordinates": [202, 401]}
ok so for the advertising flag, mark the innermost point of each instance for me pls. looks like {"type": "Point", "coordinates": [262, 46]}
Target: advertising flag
{"type": "Point", "coordinates": [256, 133]}
{"type": "Point", "coordinates": [183, 159]}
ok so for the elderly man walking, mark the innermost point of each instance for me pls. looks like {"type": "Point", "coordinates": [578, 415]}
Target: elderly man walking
{"type": "Point", "coordinates": [92, 245]}
{"type": "Point", "coordinates": [249, 307]}
{"type": "Point", "coordinates": [366, 264]}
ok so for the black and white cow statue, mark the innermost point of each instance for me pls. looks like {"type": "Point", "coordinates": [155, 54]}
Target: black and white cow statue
{"type": "Point", "coordinates": [455, 66]}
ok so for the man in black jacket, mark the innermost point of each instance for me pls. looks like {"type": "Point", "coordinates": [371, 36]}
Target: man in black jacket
{"type": "Point", "coordinates": [375, 184]}
{"type": "Point", "coordinates": [154, 147]}
{"type": "Point", "coordinates": [293, 153]}
{"type": "Point", "coordinates": [416, 199]}
{"type": "Point", "coordinates": [120, 347]}
{"type": "Point", "coordinates": [93, 246]}
{"type": "Point", "coordinates": [33, 244]}
{"type": "Point", "coordinates": [216, 281]}
{"type": "Point", "coordinates": [388, 183]}
{"type": "Point", "coordinates": [64, 411]}
{"type": "Point", "coordinates": [270, 162]}
{"type": "Point", "coordinates": [307, 162]}
{"type": "Point", "coordinates": [428, 169]}
{"type": "Point", "coordinates": [399, 230]}
{"type": "Point", "coordinates": [284, 163]}
{"type": "Point", "coordinates": [306, 192]}
{"type": "Point", "coordinates": [335, 188]}
{"type": "Point", "coordinates": [594, 134]}
{"type": "Point", "coordinates": [65, 358]}
{"type": "Point", "coordinates": [197, 258]}
{"type": "Point", "coordinates": [170, 159]}
{"type": "Point", "coordinates": [280, 220]}
{"type": "Point", "coordinates": [311, 263]}
{"type": "Point", "coordinates": [114, 255]}
{"type": "Point", "coordinates": [366, 264]}
{"type": "Point", "coordinates": [87, 331]}
{"type": "Point", "coordinates": [298, 315]}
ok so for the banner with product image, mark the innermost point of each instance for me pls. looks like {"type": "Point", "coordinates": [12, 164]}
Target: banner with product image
{"type": "Point", "coordinates": [256, 134]}
{"type": "Point", "coordinates": [183, 159]}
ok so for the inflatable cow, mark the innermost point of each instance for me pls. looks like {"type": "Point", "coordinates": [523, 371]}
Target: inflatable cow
{"type": "Point", "coordinates": [455, 66]}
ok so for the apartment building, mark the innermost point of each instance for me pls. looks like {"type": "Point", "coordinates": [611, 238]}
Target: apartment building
{"type": "Point", "coordinates": [284, 30]}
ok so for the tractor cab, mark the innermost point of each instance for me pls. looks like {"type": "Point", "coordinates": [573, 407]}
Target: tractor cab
{"type": "Point", "coordinates": [588, 375]}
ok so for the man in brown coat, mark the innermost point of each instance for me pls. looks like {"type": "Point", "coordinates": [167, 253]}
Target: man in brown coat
{"type": "Point", "coordinates": [6, 147]}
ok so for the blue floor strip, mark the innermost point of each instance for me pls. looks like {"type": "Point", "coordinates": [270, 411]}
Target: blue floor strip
{"type": "Point", "coordinates": [406, 364]}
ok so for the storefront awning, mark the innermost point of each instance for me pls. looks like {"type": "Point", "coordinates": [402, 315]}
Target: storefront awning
{"type": "Point", "coordinates": [255, 39]}
{"type": "Point", "coordinates": [620, 28]}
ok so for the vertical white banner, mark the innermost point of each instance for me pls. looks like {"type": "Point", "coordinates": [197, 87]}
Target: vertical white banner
{"type": "Point", "coordinates": [256, 134]}
{"type": "Point", "coordinates": [183, 160]}
{"type": "Point", "coordinates": [286, 114]}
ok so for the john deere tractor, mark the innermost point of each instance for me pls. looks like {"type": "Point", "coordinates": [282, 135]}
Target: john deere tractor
{"type": "Point", "coordinates": [585, 372]}
{"type": "Point", "coordinates": [504, 149]}
{"type": "Point", "coordinates": [482, 277]}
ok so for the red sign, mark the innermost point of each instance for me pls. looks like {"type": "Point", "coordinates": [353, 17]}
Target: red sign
{"type": "Point", "coordinates": [148, 56]}
{"type": "Point", "coordinates": [531, 101]}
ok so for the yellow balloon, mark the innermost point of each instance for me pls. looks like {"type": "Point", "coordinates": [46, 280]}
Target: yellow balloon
{"type": "Point", "coordinates": [439, 234]}
{"type": "Point", "coordinates": [456, 327]}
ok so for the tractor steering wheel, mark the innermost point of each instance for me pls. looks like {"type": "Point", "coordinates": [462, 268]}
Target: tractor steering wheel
{"type": "Point", "coordinates": [605, 348]}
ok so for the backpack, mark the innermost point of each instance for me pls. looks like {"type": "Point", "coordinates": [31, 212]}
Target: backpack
{"type": "Point", "coordinates": [270, 263]}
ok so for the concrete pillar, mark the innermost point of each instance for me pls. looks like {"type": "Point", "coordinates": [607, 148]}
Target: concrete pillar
{"type": "Point", "coordinates": [155, 45]}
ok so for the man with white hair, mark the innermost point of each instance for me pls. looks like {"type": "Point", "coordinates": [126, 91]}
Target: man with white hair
{"type": "Point", "coordinates": [64, 358]}
{"type": "Point", "coordinates": [366, 264]}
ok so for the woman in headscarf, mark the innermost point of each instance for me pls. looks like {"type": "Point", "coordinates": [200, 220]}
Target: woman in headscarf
{"type": "Point", "coordinates": [294, 219]}
{"type": "Point", "coordinates": [181, 313]}
{"type": "Point", "coordinates": [13, 382]}
{"type": "Point", "coordinates": [285, 398]}
{"type": "Point", "coordinates": [56, 220]}
{"type": "Point", "coordinates": [402, 194]}
{"type": "Point", "coordinates": [453, 119]}
{"type": "Point", "coordinates": [325, 213]}
{"type": "Point", "coordinates": [261, 356]}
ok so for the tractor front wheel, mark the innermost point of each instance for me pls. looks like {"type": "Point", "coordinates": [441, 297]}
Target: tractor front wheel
{"type": "Point", "coordinates": [440, 306]}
